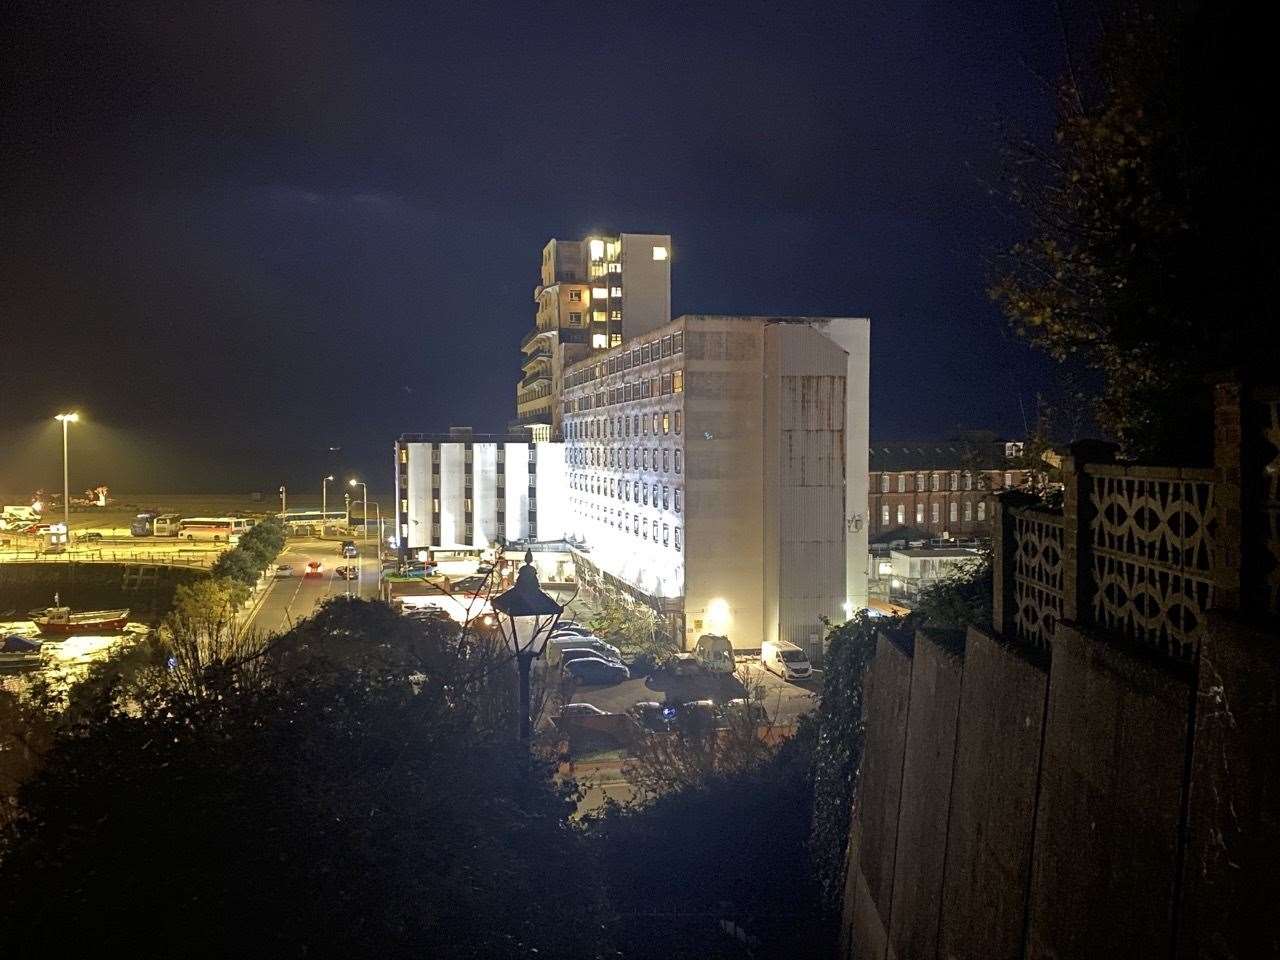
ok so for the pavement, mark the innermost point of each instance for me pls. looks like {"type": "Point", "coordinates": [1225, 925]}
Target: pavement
{"type": "Point", "coordinates": [287, 600]}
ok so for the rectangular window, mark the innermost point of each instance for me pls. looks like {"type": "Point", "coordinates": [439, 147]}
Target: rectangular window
{"type": "Point", "coordinates": [902, 483]}
{"type": "Point", "coordinates": [666, 423]}
{"type": "Point", "coordinates": [968, 512]}
{"type": "Point", "coordinates": [575, 296]}
{"type": "Point", "coordinates": [644, 353]}
{"type": "Point", "coordinates": [677, 538]}
{"type": "Point", "coordinates": [666, 460]}
{"type": "Point", "coordinates": [666, 502]}
{"type": "Point", "coordinates": [884, 483]}
{"type": "Point", "coordinates": [919, 513]}
{"type": "Point", "coordinates": [615, 339]}
{"type": "Point", "coordinates": [902, 514]}
{"type": "Point", "coordinates": [934, 512]}
{"type": "Point", "coordinates": [666, 346]}
{"type": "Point", "coordinates": [982, 510]}
{"type": "Point", "coordinates": [659, 253]}
{"type": "Point", "coordinates": [884, 516]}
{"type": "Point", "coordinates": [404, 506]}
{"type": "Point", "coordinates": [677, 500]}
{"type": "Point", "coordinates": [954, 514]}
{"type": "Point", "coordinates": [678, 343]}
{"type": "Point", "coordinates": [404, 454]}
{"type": "Point", "coordinates": [677, 458]}
{"type": "Point", "coordinates": [655, 531]}
{"type": "Point", "coordinates": [666, 535]}
{"type": "Point", "coordinates": [678, 423]}
{"type": "Point", "coordinates": [678, 381]}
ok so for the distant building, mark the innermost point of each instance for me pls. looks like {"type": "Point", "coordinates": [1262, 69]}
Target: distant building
{"type": "Point", "coordinates": [594, 294]}
{"type": "Point", "coordinates": [706, 462]}
{"type": "Point", "coordinates": [462, 490]}
{"type": "Point", "coordinates": [938, 489]}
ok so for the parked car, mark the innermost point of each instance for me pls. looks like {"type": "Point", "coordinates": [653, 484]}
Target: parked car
{"type": "Point", "coordinates": [714, 653]}
{"type": "Point", "coordinates": [470, 586]}
{"type": "Point", "coordinates": [683, 664]}
{"type": "Point", "coordinates": [785, 659]}
{"type": "Point", "coordinates": [88, 535]}
{"type": "Point", "coordinates": [594, 670]}
{"type": "Point", "coordinates": [349, 551]}
{"type": "Point", "coordinates": [314, 568]}
{"type": "Point", "coordinates": [347, 573]}
{"type": "Point", "coordinates": [582, 710]}
{"type": "Point", "coordinates": [654, 716]}
{"type": "Point", "coordinates": [570, 654]}
{"type": "Point", "coordinates": [284, 570]}
{"type": "Point", "coordinates": [572, 641]}
{"type": "Point", "coordinates": [563, 627]}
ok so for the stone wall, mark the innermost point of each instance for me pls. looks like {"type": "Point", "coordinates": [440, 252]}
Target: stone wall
{"type": "Point", "coordinates": [92, 586]}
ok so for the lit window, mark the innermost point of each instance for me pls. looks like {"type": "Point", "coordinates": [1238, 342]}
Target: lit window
{"type": "Point", "coordinates": [934, 512]}
{"type": "Point", "coordinates": [677, 538]}
{"type": "Point", "coordinates": [679, 381]}
{"type": "Point", "coordinates": [902, 483]}
{"type": "Point", "coordinates": [968, 512]}
{"type": "Point", "coordinates": [615, 268]}
{"type": "Point", "coordinates": [597, 249]}
{"type": "Point", "coordinates": [982, 510]}
{"type": "Point", "coordinates": [666, 423]}
{"type": "Point", "coordinates": [600, 341]}
{"type": "Point", "coordinates": [599, 292]}
{"type": "Point", "coordinates": [615, 339]}
{"type": "Point", "coordinates": [659, 253]}
{"type": "Point", "coordinates": [902, 514]}
{"type": "Point", "coordinates": [884, 483]}
{"type": "Point", "coordinates": [954, 512]}
{"type": "Point", "coordinates": [404, 506]}
{"type": "Point", "coordinates": [919, 513]}
{"type": "Point", "coordinates": [404, 454]}
{"type": "Point", "coordinates": [884, 516]}
{"type": "Point", "coordinates": [615, 291]}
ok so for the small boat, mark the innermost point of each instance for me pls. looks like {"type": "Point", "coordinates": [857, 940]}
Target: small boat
{"type": "Point", "coordinates": [17, 652]}
{"type": "Point", "coordinates": [59, 621]}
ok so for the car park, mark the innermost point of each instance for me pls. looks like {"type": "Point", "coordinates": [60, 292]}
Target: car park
{"type": "Point", "coordinates": [594, 670]}
{"type": "Point", "coordinates": [559, 642]}
{"type": "Point", "coordinates": [284, 570]}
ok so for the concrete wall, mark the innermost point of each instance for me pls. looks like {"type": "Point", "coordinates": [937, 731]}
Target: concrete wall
{"type": "Point", "coordinates": [993, 797]}
{"type": "Point", "coordinates": [925, 802]}
{"type": "Point", "coordinates": [1111, 785]}
{"type": "Point", "coordinates": [90, 586]}
{"type": "Point", "coordinates": [874, 838]}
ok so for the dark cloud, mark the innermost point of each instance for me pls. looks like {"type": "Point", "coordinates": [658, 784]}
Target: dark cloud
{"type": "Point", "coordinates": [269, 219]}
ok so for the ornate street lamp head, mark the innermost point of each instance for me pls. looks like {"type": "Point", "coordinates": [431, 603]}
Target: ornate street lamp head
{"type": "Point", "coordinates": [530, 614]}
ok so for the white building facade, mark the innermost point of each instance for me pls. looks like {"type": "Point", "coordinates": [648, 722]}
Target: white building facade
{"type": "Point", "coordinates": [706, 463]}
{"type": "Point", "coordinates": [460, 490]}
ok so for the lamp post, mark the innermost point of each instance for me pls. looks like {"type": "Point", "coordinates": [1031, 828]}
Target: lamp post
{"type": "Point", "coordinates": [65, 419]}
{"type": "Point", "coordinates": [526, 617]}
{"type": "Point", "coordinates": [324, 500]}
{"type": "Point", "coordinates": [282, 499]}
{"type": "Point", "coordinates": [364, 517]}
{"type": "Point", "coordinates": [377, 512]}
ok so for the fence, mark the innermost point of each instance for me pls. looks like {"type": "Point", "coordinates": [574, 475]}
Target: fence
{"type": "Point", "coordinates": [169, 558]}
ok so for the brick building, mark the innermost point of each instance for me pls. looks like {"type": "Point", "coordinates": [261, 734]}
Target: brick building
{"type": "Point", "coordinates": [938, 489]}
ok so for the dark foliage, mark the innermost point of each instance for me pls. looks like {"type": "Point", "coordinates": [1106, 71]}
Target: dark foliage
{"type": "Point", "coordinates": [837, 752]}
{"type": "Point", "coordinates": [959, 599]}
{"type": "Point", "coordinates": [1153, 217]}
{"type": "Point", "coordinates": [733, 847]}
{"type": "Point", "coordinates": [257, 548]}
{"type": "Point", "coordinates": [324, 810]}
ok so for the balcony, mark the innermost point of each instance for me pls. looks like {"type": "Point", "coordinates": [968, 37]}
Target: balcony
{"type": "Point", "coordinates": [541, 352]}
{"type": "Point", "coordinates": [533, 335]}
{"type": "Point", "coordinates": [540, 374]}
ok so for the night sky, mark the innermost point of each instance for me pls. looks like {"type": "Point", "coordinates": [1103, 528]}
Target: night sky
{"type": "Point", "coordinates": [237, 234]}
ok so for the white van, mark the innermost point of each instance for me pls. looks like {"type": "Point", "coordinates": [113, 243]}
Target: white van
{"type": "Point", "coordinates": [785, 659]}
{"type": "Point", "coordinates": [714, 653]}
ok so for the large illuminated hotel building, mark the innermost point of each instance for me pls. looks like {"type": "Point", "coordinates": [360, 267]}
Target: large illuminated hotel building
{"type": "Point", "coordinates": [713, 468]}
{"type": "Point", "coordinates": [594, 294]}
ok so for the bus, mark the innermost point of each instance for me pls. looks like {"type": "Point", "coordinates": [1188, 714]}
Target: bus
{"type": "Point", "coordinates": [218, 529]}
{"type": "Point", "coordinates": [312, 522]}
{"type": "Point", "coordinates": [166, 524]}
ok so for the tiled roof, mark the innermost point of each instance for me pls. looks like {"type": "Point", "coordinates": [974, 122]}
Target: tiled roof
{"type": "Point", "coordinates": [898, 455]}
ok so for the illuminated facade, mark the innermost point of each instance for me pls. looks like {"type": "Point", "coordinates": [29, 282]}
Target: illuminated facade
{"type": "Point", "coordinates": [706, 462]}
{"type": "Point", "coordinates": [594, 294]}
{"type": "Point", "coordinates": [460, 490]}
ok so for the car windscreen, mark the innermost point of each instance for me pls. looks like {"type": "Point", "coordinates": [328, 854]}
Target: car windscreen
{"type": "Point", "coordinates": [794, 656]}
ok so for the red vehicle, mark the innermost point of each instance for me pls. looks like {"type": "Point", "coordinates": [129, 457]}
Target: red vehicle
{"type": "Point", "coordinates": [314, 568]}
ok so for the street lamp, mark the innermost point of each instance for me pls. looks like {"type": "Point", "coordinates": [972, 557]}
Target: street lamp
{"type": "Point", "coordinates": [530, 618]}
{"type": "Point", "coordinates": [282, 499]}
{"type": "Point", "coordinates": [324, 500]}
{"type": "Point", "coordinates": [66, 418]}
{"type": "Point", "coordinates": [364, 517]}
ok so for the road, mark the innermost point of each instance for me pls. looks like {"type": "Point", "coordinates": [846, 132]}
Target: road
{"type": "Point", "coordinates": [290, 599]}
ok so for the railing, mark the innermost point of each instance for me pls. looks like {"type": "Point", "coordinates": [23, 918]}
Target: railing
{"type": "Point", "coordinates": [1038, 575]}
{"type": "Point", "coordinates": [172, 558]}
{"type": "Point", "coordinates": [1141, 554]}
{"type": "Point", "coordinates": [1150, 544]}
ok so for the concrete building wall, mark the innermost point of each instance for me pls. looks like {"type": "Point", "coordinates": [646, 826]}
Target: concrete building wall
{"type": "Point", "coordinates": [415, 522]}
{"type": "Point", "coordinates": [724, 477]}
{"type": "Point", "coordinates": [516, 462]}
{"type": "Point", "coordinates": [646, 283]}
{"type": "Point", "coordinates": [484, 492]}
{"type": "Point", "coordinates": [452, 469]}
{"type": "Point", "coordinates": [551, 492]}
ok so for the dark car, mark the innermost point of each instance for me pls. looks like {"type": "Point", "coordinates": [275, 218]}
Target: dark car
{"type": "Point", "coordinates": [89, 535]}
{"type": "Point", "coordinates": [470, 585]}
{"type": "Point", "coordinates": [347, 573]}
{"type": "Point", "coordinates": [571, 654]}
{"type": "Point", "coordinates": [596, 670]}
{"type": "Point", "coordinates": [654, 716]}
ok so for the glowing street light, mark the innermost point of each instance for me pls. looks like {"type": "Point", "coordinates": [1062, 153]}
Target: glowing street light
{"type": "Point", "coordinates": [65, 419]}
{"type": "Point", "coordinates": [364, 517]}
{"type": "Point", "coordinates": [324, 499]}
{"type": "Point", "coordinates": [527, 618]}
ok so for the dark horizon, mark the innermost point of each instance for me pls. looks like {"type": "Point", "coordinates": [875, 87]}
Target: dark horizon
{"type": "Point", "coordinates": [242, 236]}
